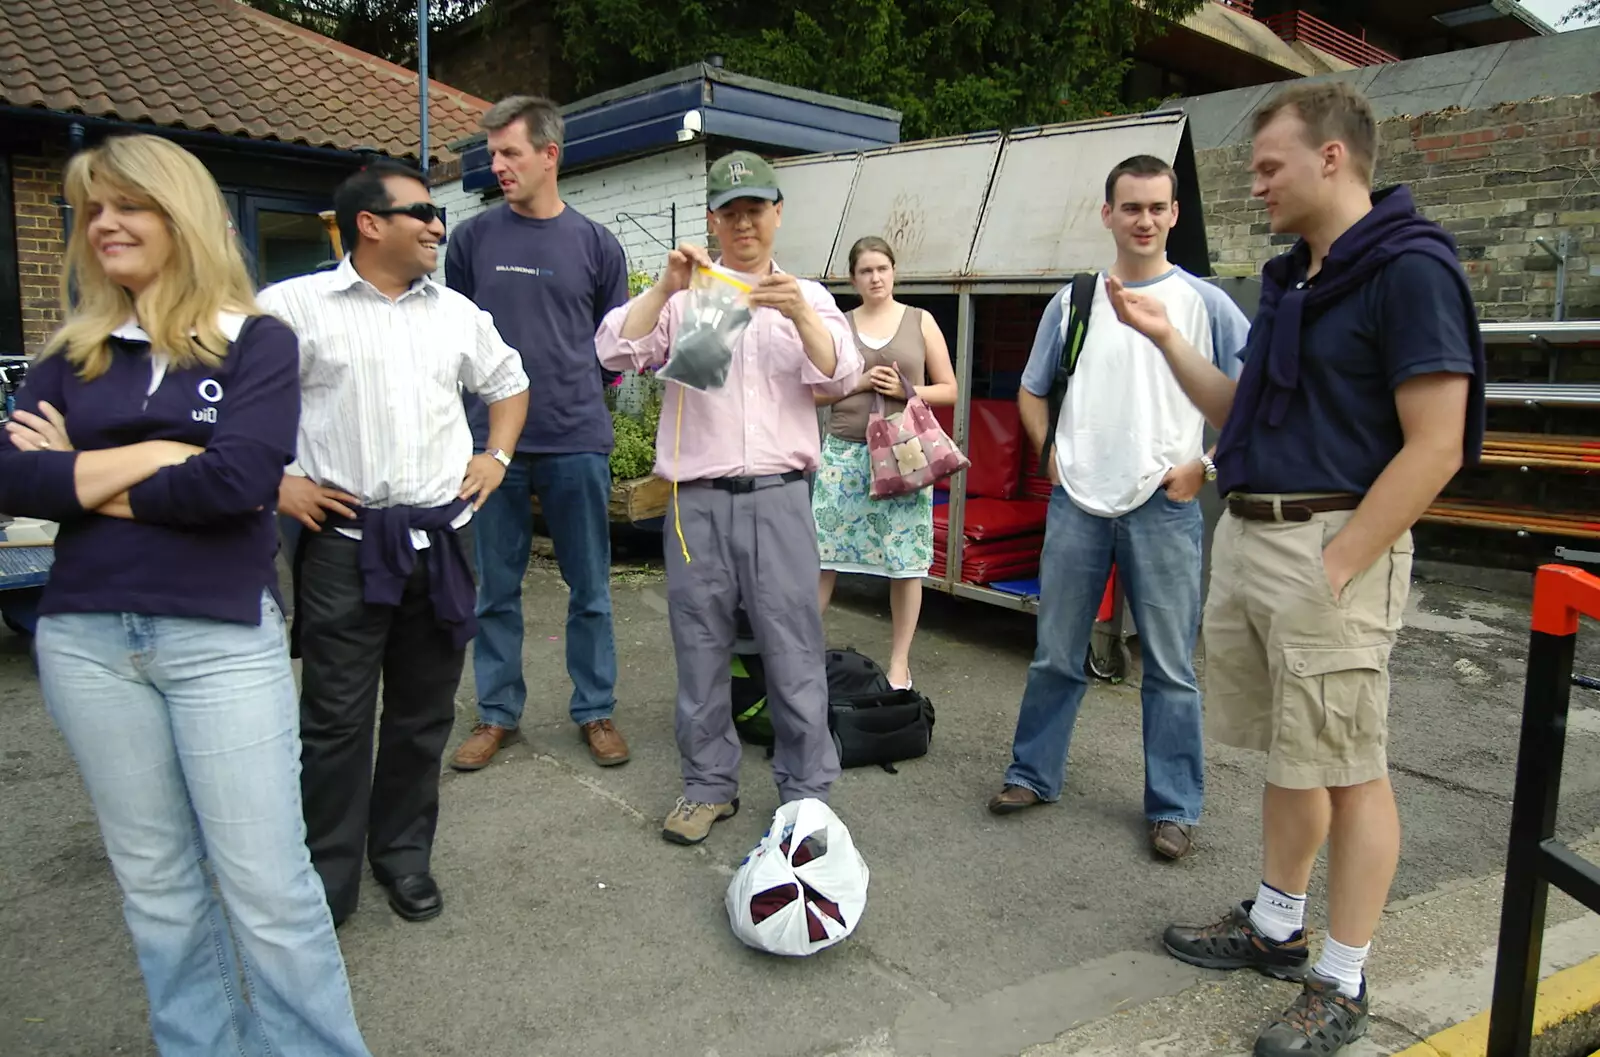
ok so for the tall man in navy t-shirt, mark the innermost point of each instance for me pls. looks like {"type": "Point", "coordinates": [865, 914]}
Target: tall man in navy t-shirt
{"type": "Point", "coordinates": [1361, 395]}
{"type": "Point", "coordinates": [548, 275]}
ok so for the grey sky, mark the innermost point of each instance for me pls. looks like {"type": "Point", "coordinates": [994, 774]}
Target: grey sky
{"type": "Point", "coordinates": [1551, 10]}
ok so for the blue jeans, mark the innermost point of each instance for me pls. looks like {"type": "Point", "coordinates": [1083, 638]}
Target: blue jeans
{"type": "Point", "coordinates": [187, 735]}
{"type": "Point", "coordinates": [575, 493]}
{"type": "Point", "coordinates": [1157, 552]}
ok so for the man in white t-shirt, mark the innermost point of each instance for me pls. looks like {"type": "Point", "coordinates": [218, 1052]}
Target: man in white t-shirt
{"type": "Point", "coordinates": [1128, 466]}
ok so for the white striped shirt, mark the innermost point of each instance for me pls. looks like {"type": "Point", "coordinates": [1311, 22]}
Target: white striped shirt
{"type": "Point", "coordinates": [380, 385]}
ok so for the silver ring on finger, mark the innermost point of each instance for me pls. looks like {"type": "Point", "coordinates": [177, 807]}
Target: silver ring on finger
{"type": "Point", "coordinates": [43, 444]}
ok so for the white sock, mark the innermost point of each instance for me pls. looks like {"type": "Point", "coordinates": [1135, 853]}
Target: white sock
{"type": "Point", "coordinates": [1343, 964]}
{"type": "Point", "coordinates": [1277, 915]}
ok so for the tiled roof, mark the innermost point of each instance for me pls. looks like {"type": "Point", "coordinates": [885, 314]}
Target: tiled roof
{"type": "Point", "coordinates": [218, 65]}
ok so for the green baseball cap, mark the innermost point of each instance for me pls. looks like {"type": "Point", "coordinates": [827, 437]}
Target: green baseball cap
{"type": "Point", "coordinates": [740, 175]}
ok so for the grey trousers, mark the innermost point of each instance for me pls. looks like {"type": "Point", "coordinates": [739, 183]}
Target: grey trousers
{"type": "Point", "coordinates": [758, 548]}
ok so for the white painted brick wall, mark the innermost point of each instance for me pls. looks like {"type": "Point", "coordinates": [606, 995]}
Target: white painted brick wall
{"type": "Point", "coordinates": [637, 187]}
{"type": "Point", "coordinates": [459, 205]}
{"type": "Point", "coordinates": [646, 185]}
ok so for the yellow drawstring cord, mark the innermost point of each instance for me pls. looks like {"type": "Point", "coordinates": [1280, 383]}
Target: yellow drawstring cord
{"type": "Point", "coordinates": [677, 442]}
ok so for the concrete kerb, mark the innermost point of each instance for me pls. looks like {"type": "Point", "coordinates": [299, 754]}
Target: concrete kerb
{"type": "Point", "coordinates": [1566, 1020]}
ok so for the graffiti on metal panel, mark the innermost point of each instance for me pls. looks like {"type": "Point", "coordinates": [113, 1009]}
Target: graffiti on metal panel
{"type": "Point", "coordinates": [903, 229]}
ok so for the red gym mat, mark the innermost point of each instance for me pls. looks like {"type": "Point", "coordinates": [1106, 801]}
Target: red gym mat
{"type": "Point", "coordinates": [994, 518]}
{"type": "Point", "coordinates": [994, 444]}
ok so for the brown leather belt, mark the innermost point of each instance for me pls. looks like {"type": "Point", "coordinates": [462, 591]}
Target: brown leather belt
{"type": "Point", "coordinates": [1289, 509]}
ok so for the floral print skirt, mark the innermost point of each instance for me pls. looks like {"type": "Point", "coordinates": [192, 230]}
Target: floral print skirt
{"type": "Point", "coordinates": [859, 534]}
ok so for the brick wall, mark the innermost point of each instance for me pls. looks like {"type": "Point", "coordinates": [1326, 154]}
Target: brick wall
{"type": "Point", "coordinates": [1496, 178]}
{"type": "Point", "coordinates": [35, 185]}
{"type": "Point", "coordinates": [638, 187]}
{"type": "Point", "coordinates": [516, 54]}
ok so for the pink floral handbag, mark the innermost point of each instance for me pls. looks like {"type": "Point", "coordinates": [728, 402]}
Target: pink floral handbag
{"type": "Point", "coordinates": [909, 450]}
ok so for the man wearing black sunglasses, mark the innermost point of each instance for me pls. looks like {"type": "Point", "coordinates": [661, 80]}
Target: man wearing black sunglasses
{"type": "Point", "coordinates": [384, 486]}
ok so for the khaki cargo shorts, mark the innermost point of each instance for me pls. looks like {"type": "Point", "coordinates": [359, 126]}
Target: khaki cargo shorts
{"type": "Point", "coordinates": [1291, 671]}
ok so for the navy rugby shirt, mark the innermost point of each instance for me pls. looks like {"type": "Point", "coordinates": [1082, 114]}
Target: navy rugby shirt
{"type": "Point", "coordinates": [203, 538]}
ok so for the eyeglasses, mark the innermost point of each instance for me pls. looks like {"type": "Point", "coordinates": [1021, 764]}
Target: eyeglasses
{"type": "Point", "coordinates": [426, 212]}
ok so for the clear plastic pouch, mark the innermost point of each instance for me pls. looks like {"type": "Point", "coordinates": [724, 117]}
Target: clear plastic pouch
{"type": "Point", "coordinates": [716, 311]}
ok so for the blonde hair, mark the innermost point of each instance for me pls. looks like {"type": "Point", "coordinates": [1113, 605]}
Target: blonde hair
{"type": "Point", "coordinates": [204, 275]}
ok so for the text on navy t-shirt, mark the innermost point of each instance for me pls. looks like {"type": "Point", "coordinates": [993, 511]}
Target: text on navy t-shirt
{"type": "Point", "coordinates": [548, 284]}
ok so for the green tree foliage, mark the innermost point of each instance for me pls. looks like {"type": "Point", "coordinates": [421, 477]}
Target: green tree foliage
{"type": "Point", "coordinates": [1582, 14]}
{"type": "Point", "coordinates": [950, 66]}
{"type": "Point", "coordinates": [385, 28]}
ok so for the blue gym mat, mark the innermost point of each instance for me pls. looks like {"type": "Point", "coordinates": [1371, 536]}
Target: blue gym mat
{"type": "Point", "coordinates": [1023, 588]}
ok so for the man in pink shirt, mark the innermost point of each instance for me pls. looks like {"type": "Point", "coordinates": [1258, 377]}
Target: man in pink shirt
{"type": "Point", "coordinates": [741, 520]}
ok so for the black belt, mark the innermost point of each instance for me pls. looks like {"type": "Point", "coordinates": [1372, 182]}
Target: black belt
{"type": "Point", "coordinates": [1291, 509]}
{"type": "Point", "coordinates": [741, 485]}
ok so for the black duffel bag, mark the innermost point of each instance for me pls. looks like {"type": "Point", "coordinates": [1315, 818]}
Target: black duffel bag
{"type": "Point", "coordinates": [872, 723]}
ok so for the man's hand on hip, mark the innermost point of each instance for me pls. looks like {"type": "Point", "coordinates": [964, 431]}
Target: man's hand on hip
{"type": "Point", "coordinates": [1184, 482]}
{"type": "Point", "coordinates": [309, 503]}
{"type": "Point", "coordinates": [484, 474]}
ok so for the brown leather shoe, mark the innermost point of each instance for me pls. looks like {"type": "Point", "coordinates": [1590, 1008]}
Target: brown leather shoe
{"type": "Point", "coordinates": [605, 743]}
{"type": "Point", "coordinates": [1013, 798]}
{"type": "Point", "coordinates": [476, 752]}
{"type": "Point", "coordinates": [1172, 840]}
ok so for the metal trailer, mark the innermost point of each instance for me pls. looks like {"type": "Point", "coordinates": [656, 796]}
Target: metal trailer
{"type": "Point", "coordinates": [980, 216]}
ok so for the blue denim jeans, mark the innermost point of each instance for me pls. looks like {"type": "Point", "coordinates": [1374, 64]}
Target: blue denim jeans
{"type": "Point", "coordinates": [1157, 552]}
{"type": "Point", "coordinates": [187, 734]}
{"type": "Point", "coordinates": [575, 493]}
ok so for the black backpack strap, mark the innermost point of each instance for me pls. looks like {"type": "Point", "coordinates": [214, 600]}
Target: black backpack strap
{"type": "Point", "coordinates": [1079, 302]}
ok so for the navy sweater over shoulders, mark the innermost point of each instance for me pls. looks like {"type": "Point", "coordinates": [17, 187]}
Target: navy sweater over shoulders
{"type": "Point", "coordinates": [203, 537]}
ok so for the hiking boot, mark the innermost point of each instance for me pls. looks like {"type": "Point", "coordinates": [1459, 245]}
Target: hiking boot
{"type": "Point", "coordinates": [691, 822]}
{"type": "Point", "coordinates": [1171, 840]}
{"type": "Point", "coordinates": [1320, 1023]}
{"type": "Point", "coordinates": [1013, 798]}
{"type": "Point", "coordinates": [1234, 943]}
{"type": "Point", "coordinates": [476, 752]}
{"type": "Point", "coordinates": [605, 742]}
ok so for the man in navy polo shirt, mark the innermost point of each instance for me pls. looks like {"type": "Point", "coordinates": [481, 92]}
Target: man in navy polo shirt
{"type": "Point", "coordinates": [1361, 395]}
{"type": "Point", "coordinates": [548, 275]}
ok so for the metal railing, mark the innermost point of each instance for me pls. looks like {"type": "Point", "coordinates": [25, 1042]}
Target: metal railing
{"type": "Point", "coordinates": [1535, 859]}
{"type": "Point", "coordinates": [1309, 29]}
{"type": "Point", "coordinates": [1247, 8]}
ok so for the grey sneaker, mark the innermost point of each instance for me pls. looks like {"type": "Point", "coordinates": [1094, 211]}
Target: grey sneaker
{"type": "Point", "coordinates": [691, 822]}
{"type": "Point", "coordinates": [1320, 1023]}
{"type": "Point", "coordinates": [1234, 943]}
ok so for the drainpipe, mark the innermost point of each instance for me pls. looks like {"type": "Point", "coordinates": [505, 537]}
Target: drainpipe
{"type": "Point", "coordinates": [75, 140]}
{"type": "Point", "coordinates": [422, 79]}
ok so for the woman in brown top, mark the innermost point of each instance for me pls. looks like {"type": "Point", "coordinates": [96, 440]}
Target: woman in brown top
{"type": "Point", "coordinates": [856, 533]}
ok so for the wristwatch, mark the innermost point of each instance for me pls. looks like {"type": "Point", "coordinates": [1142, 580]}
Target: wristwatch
{"type": "Point", "coordinates": [1211, 467]}
{"type": "Point", "coordinates": [501, 457]}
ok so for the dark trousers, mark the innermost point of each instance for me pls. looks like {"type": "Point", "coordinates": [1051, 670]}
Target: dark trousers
{"type": "Point", "coordinates": [389, 809]}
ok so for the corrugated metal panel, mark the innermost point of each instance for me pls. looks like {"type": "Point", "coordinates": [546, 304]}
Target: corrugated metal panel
{"type": "Point", "coordinates": [1043, 211]}
{"type": "Point", "coordinates": [816, 193]}
{"type": "Point", "coordinates": [925, 199]}
{"type": "Point", "coordinates": [1020, 208]}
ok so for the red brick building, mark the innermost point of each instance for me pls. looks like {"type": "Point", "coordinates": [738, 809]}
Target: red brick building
{"type": "Point", "coordinates": [278, 114]}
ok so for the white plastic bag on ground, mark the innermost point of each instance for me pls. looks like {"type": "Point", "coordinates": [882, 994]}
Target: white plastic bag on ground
{"type": "Point", "coordinates": [804, 886]}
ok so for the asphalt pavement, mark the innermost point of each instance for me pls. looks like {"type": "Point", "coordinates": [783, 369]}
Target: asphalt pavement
{"type": "Point", "coordinates": [571, 928]}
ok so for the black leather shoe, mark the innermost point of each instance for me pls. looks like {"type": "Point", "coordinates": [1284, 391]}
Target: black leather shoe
{"type": "Point", "coordinates": [415, 897]}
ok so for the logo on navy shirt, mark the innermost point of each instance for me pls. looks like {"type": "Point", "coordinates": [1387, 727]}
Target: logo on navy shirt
{"type": "Point", "coordinates": [524, 271]}
{"type": "Point", "coordinates": [211, 393]}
